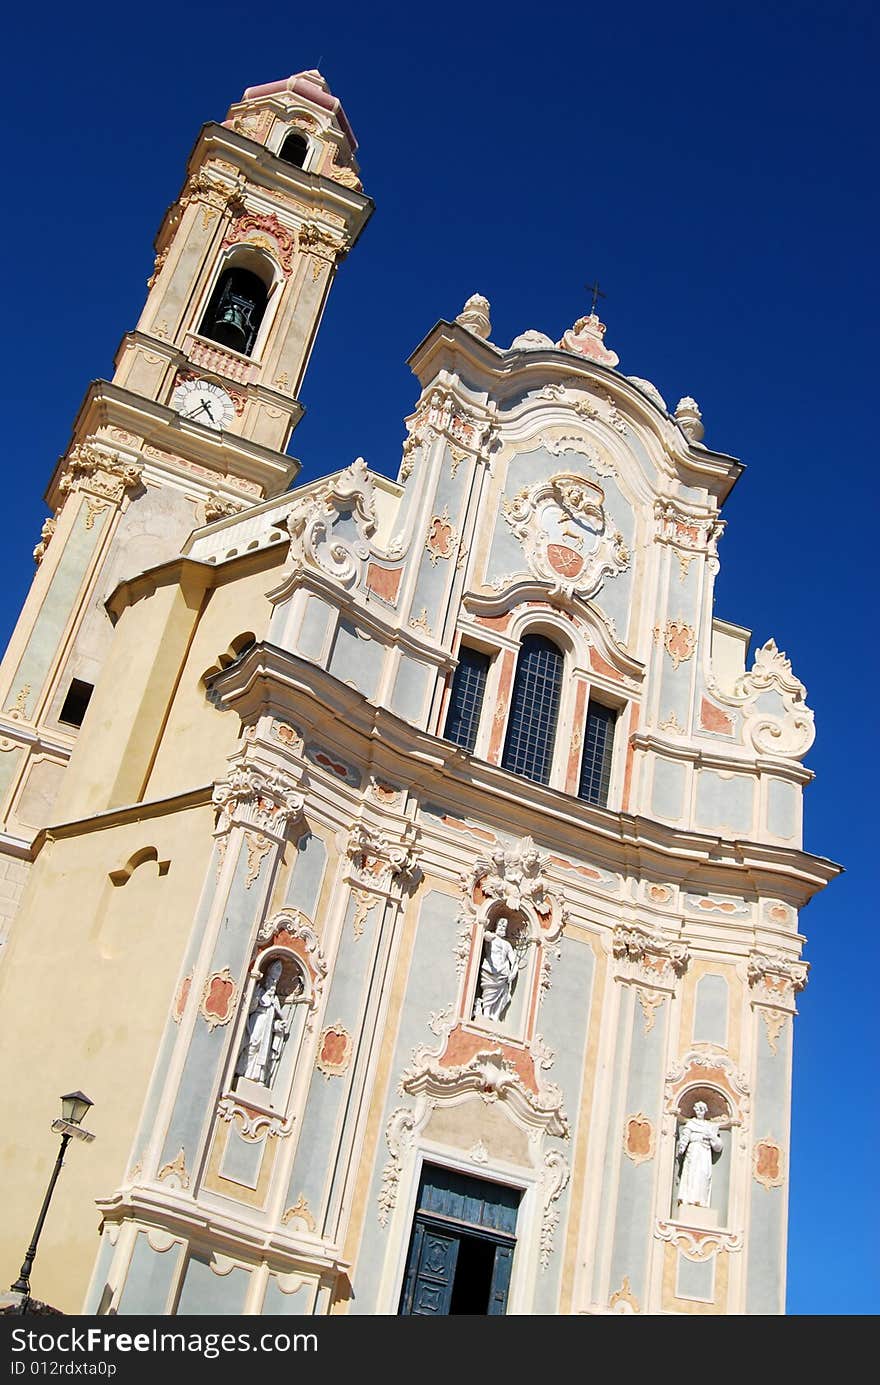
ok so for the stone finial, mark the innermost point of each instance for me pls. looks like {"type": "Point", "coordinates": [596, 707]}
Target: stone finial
{"type": "Point", "coordinates": [475, 316]}
{"type": "Point", "coordinates": [586, 338]}
{"type": "Point", "coordinates": [532, 341]}
{"type": "Point", "coordinates": [649, 389]}
{"type": "Point", "coordinates": [689, 419]}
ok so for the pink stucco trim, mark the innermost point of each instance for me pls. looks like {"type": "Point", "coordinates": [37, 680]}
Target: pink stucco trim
{"type": "Point", "coordinates": [312, 92]}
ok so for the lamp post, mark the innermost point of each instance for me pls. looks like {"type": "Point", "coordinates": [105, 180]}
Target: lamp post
{"type": "Point", "coordinates": [73, 1108]}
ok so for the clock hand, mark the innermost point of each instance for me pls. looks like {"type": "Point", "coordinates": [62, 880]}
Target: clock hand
{"type": "Point", "coordinates": [207, 408]}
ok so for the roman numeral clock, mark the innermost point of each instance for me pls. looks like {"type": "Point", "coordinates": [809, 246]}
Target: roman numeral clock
{"type": "Point", "coordinates": [202, 401]}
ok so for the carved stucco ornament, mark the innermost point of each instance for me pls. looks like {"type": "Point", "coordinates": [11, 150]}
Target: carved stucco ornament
{"type": "Point", "coordinates": [46, 533]}
{"type": "Point", "coordinates": [442, 413]}
{"type": "Point", "coordinates": [651, 963]}
{"type": "Point", "coordinates": [312, 519]}
{"type": "Point", "coordinates": [652, 956]}
{"type": "Point", "coordinates": [398, 1137]}
{"type": "Point", "coordinates": [99, 473]}
{"type": "Point", "coordinates": [492, 1077]}
{"type": "Point", "coordinates": [689, 419]}
{"type": "Point", "coordinates": [623, 1300]}
{"type": "Point", "coordinates": [532, 340]}
{"type": "Point", "coordinates": [267, 233]}
{"type": "Point", "coordinates": [775, 980]}
{"type": "Point", "coordinates": [258, 797]}
{"type": "Point", "coordinates": [252, 1125]}
{"type": "Point", "coordinates": [565, 533]}
{"type": "Point", "coordinates": [679, 639]}
{"type": "Point", "coordinates": [587, 338]}
{"type": "Point", "coordinates": [378, 861]}
{"type": "Point", "coordinates": [175, 1174]}
{"type": "Point", "coordinates": [777, 720]}
{"type": "Point", "coordinates": [768, 1164]}
{"type": "Point", "coordinates": [554, 1180]}
{"type": "Point", "coordinates": [698, 1244]}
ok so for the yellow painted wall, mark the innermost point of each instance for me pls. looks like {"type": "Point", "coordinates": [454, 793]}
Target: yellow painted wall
{"type": "Point", "coordinates": [115, 748]}
{"type": "Point", "coordinates": [197, 737]}
{"type": "Point", "coordinates": [85, 991]}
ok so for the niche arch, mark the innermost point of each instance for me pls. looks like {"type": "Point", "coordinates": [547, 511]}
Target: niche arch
{"type": "Point", "coordinates": [287, 945]}
{"type": "Point", "coordinates": [710, 1077]}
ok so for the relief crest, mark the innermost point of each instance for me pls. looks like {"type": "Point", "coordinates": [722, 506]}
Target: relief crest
{"type": "Point", "coordinates": [566, 535]}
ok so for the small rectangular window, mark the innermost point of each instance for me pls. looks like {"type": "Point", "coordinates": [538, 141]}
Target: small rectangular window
{"type": "Point", "coordinates": [76, 702]}
{"type": "Point", "coordinates": [596, 762]}
{"type": "Point", "coordinates": [466, 702]}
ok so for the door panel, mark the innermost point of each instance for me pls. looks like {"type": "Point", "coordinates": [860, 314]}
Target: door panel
{"type": "Point", "coordinates": [500, 1281]}
{"type": "Point", "coordinates": [432, 1270]}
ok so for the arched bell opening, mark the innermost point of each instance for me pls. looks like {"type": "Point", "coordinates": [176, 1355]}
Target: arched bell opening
{"type": "Point", "coordinates": [236, 309]}
{"type": "Point", "coordinates": [294, 150]}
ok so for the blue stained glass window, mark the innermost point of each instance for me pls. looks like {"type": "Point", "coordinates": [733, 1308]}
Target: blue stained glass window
{"type": "Point", "coordinates": [596, 762]}
{"type": "Point", "coordinates": [534, 706]}
{"type": "Point", "coordinates": [466, 702]}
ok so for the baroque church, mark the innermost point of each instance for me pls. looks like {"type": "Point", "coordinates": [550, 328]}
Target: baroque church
{"type": "Point", "coordinates": [409, 871]}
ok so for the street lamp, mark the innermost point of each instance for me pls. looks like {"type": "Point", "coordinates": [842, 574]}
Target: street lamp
{"type": "Point", "coordinates": [73, 1108]}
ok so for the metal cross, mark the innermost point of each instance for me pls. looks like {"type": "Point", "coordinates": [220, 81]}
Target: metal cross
{"type": "Point", "coordinates": [597, 294]}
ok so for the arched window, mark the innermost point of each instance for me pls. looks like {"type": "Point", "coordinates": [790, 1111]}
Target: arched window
{"type": "Point", "coordinates": [236, 309]}
{"type": "Point", "coordinates": [294, 150]}
{"type": "Point", "coordinates": [534, 707]}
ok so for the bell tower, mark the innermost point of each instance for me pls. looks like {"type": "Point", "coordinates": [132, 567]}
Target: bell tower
{"type": "Point", "coordinates": [194, 423]}
{"type": "Point", "coordinates": [245, 258]}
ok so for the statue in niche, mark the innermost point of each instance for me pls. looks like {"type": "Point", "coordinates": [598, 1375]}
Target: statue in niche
{"type": "Point", "coordinates": [497, 974]}
{"type": "Point", "coordinates": [698, 1140]}
{"type": "Point", "coordinates": [267, 1028]}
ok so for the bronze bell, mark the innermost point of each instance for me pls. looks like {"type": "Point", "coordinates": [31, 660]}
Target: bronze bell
{"type": "Point", "coordinates": [236, 310]}
{"type": "Point", "coordinates": [231, 325]}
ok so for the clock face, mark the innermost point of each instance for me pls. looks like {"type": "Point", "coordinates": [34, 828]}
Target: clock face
{"type": "Point", "coordinates": [203, 402]}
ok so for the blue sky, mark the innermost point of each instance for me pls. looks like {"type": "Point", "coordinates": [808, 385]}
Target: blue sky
{"type": "Point", "coordinates": [714, 166]}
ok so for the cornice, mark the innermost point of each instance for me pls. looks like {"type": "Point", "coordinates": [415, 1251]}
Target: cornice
{"type": "Point", "coordinates": [265, 171]}
{"type": "Point", "coordinates": [494, 371]}
{"type": "Point", "coordinates": [109, 405]}
{"type": "Point", "coordinates": [728, 763]}
{"type": "Point", "coordinates": [192, 573]}
{"type": "Point", "coordinates": [266, 679]}
{"type": "Point", "coordinates": [195, 1220]}
{"type": "Point", "coordinates": [117, 817]}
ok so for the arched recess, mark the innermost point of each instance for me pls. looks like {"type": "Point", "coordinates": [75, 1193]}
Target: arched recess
{"type": "Point", "coordinates": [130, 903]}
{"type": "Point", "coordinates": [138, 858]}
{"type": "Point", "coordinates": [278, 1001]}
{"type": "Point", "coordinates": [294, 149]}
{"type": "Point", "coordinates": [241, 300]}
{"type": "Point", "coordinates": [501, 987]}
{"type": "Point", "coordinates": [710, 1077]}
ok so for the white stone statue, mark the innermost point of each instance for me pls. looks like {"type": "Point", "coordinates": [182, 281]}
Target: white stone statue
{"type": "Point", "coordinates": [698, 1140]}
{"type": "Point", "coordinates": [497, 973]}
{"type": "Point", "coordinates": [265, 1032]}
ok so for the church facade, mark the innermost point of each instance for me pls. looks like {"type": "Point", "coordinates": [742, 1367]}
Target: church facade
{"type": "Point", "coordinates": [408, 870]}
